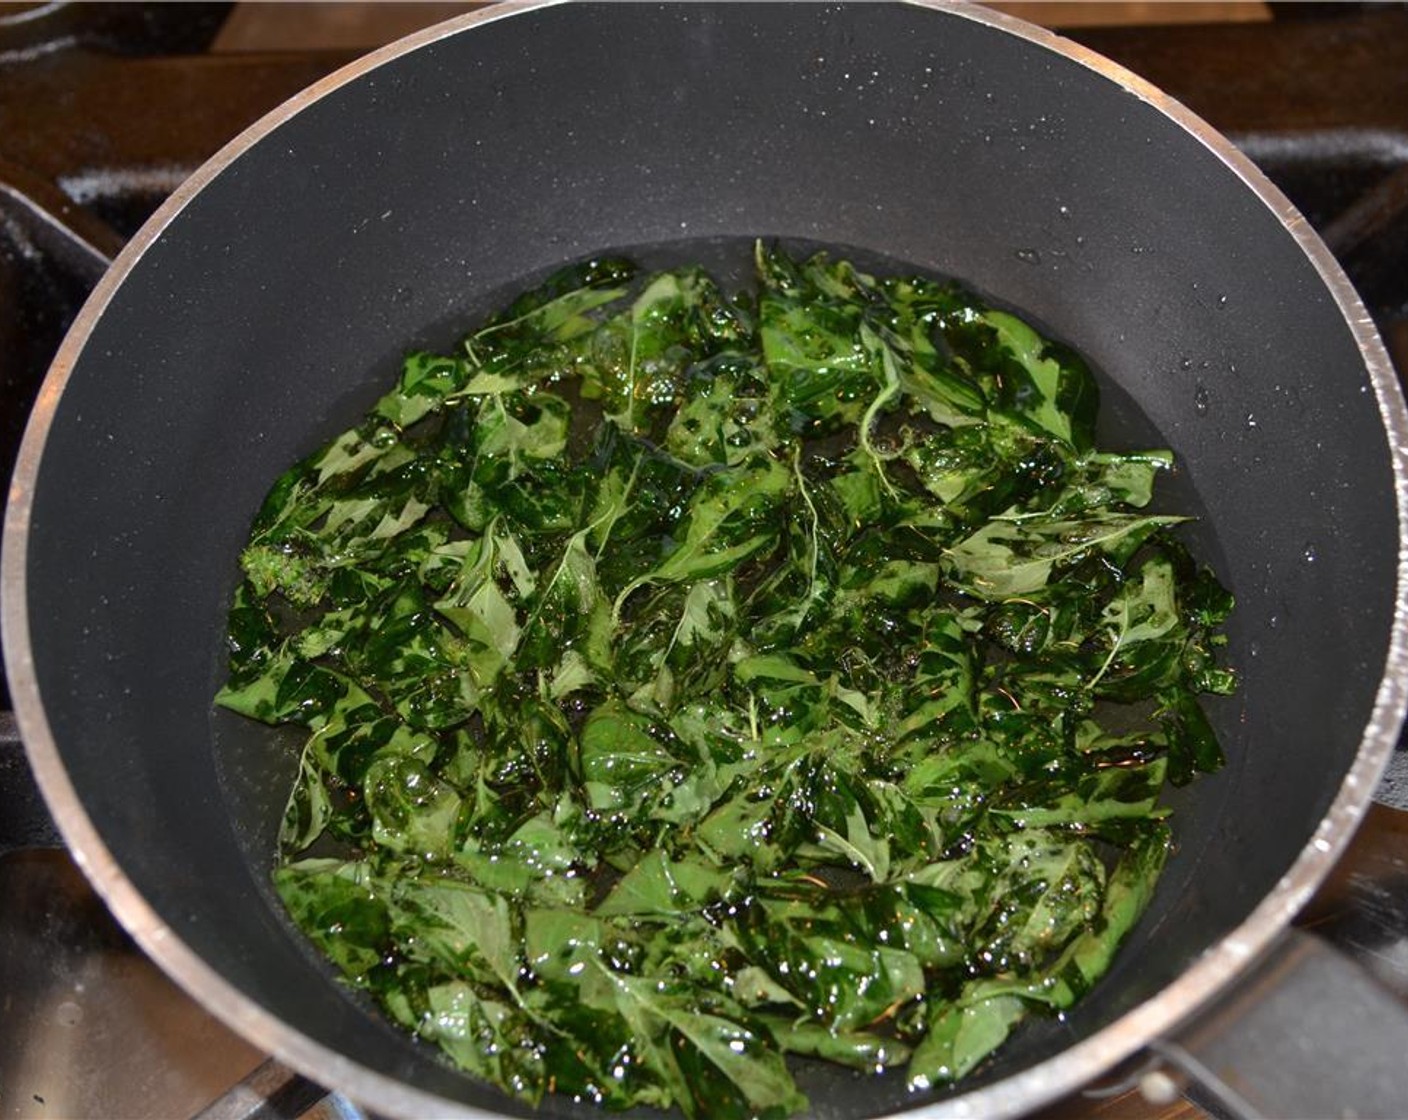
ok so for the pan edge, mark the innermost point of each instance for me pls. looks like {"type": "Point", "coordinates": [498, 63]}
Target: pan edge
{"type": "Point", "coordinates": [1030, 1088]}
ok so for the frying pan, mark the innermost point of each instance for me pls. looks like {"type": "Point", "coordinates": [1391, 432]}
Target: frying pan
{"type": "Point", "coordinates": [263, 308]}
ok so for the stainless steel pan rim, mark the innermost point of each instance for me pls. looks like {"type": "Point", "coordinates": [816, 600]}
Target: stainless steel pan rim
{"type": "Point", "coordinates": [1046, 1081]}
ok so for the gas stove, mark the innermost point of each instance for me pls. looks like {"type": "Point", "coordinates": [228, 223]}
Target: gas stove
{"type": "Point", "coordinates": [104, 109]}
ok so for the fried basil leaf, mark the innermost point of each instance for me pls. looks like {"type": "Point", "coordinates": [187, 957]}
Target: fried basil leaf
{"type": "Point", "coordinates": [689, 681]}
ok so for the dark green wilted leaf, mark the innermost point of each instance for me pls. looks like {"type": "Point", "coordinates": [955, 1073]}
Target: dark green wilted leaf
{"type": "Point", "coordinates": [693, 681]}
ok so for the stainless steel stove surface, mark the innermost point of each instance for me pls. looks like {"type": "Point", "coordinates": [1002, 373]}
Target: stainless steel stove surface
{"type": "Point", "coordinates": [106, 108]}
